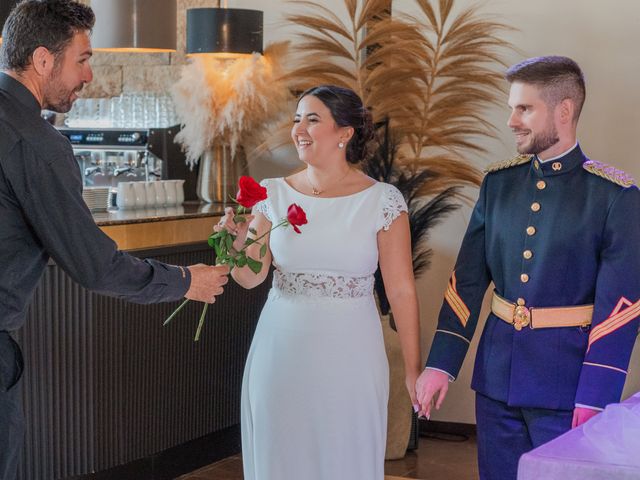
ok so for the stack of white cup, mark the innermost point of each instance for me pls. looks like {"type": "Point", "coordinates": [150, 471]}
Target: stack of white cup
{"type": "Point", "coordinates": [160, 193]}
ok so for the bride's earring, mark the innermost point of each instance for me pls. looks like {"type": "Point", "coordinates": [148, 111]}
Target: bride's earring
{"type": "Point", "coordinates": [341, 145]}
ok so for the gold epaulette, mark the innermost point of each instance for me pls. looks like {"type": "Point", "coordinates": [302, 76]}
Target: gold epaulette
{"type": "Point", "coordinates": [512, 162]}
{"type": "Point", "coordinates": [608, 172]}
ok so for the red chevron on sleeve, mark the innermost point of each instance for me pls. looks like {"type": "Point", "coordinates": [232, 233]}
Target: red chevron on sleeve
{"type": "Point", "coordinates": [455, 302]}
{"type": "Point", "coordinates": [616, 320]}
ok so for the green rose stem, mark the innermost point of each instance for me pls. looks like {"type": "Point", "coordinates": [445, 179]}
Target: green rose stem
{"type": "Point", "coordinates": [241, 210]}
{"type": "Point", "coordinates": [175, 312]}
{"type": "Point", "coordinates": [201, 322]}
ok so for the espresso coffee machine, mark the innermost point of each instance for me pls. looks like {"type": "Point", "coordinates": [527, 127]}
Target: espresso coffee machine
{"type": "Point", "coordinates": [108, 156]}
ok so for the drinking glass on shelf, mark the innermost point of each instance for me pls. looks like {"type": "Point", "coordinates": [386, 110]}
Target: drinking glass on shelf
{"type": "Point", "coordinates": [141, 194]}
{"type": "Point", "coordinates": [170, 192]}
{"type": "Point", "coordinates": [161, 195]}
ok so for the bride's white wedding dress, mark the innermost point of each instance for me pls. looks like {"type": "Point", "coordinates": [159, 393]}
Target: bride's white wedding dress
{"type": "Point", "coordinates": [316, 382]}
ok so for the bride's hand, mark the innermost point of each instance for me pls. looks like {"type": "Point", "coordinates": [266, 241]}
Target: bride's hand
{"type": "Point", "coordinates": [240, 229]}
{"type": "Point", "coordinates": [410, 382]}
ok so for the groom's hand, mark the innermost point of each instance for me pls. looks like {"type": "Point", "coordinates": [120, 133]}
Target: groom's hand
{"type": "Point", "coordinates": [431, 388]}
{"type": "Point", "coordinates": [206, 282]}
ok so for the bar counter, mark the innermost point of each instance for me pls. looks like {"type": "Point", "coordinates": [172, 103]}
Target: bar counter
{"type": "Point", "coordinates": [158, 227]}
{"type": "Point", "coordinates": [111, 393]}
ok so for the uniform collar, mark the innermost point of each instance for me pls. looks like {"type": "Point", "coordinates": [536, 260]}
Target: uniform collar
{"type": "Point", "coordinates": [17, 90]}
{"type": "Point", "coordinates": [558, 166]}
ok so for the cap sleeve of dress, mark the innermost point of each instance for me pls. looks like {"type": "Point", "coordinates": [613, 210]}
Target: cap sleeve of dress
{"type": "Point", "coordinates": [392, 205]}
{"type": "Point", "coordinates": [264, 207]}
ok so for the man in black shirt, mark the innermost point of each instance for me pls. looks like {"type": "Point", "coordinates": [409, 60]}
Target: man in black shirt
{"type": "Point", "coordinates": [45, 61]}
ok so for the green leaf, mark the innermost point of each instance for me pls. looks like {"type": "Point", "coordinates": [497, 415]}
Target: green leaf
{"type": "Point", "coordinates": [263, 250]}
{"type": "Point", "coordinates": [254, 265]}
{"type": "Point", "coordinates": [240, 219]}
{"type": "Point", "coordinates": [249, 241]}
{"type": "Point", "coordinates": [253, 230]}
{"type": "Point", "coordinates": [212, 241]}
{"type": "Point", "coordinates": [241, 261]}
{"type": "Point", "coordinates": [229, 242]}
{"type": "Point", "coordinates": [216, 247]}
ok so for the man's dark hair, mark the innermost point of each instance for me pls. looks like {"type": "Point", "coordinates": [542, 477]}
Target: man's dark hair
{"type": "Point", "coordinates": [41, 23]}
{"type": "Point", "coordinates": [557, 77]}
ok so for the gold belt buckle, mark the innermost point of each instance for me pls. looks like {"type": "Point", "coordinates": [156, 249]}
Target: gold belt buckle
{"type": "Point", "coordinates": [521, 317]}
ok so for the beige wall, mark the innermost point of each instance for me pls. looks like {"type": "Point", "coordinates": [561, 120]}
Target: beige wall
{"type": "Point", "coordinates": [601, 36]}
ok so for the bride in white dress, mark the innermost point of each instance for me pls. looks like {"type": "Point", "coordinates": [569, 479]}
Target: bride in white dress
{"type": "Point", "coordinates": [316, 382]}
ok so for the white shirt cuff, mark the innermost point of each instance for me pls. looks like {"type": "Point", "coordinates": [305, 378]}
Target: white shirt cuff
{"type": "Point", "coordinates": [451, 377]}
{"type": "Point", "coordinates": [589, 406]}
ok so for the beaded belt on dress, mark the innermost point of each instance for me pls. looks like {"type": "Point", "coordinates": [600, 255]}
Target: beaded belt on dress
{"type": "Point", "coordinates": [322, 285]}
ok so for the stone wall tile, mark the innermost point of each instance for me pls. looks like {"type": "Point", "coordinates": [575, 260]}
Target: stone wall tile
{"type": "Point", "coordinates": [121, 58]}
{"type": "Point", "coordinates": [107, 82]}
{"type": "Point", "coordinates": [150, 78]}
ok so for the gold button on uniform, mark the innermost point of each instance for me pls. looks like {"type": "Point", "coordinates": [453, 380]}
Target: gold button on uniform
{"type": "Point", "coordinates": [535, 206]}
{"type": "Point", "coordinates": [535, 164]}
{"type": "Point", "coordinates": [557, 166]}
{"type": "Point", "coordinates": [524, 278]}
{"type": "Point", "coordinates": [541, 184]}
{"type": "Point", "coordinates": [531, 230]}
{"type": "Point", "coordinates": [527, 254]}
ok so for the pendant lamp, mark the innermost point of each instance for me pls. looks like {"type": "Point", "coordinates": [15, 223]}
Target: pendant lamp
{"type": "Point", "coordinates": [224, 31]}
{"type": "Point", "coordinates": [134, 25]}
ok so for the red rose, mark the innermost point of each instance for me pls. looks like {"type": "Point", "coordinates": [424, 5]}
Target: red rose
{"type": "Point", "coordinates": [296, 217]}
{"type": "Point", "coordinates": [250, 192]}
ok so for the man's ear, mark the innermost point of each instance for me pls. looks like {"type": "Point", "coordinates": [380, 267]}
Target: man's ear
{"type": "Point", "coordinates": [566, 108]}
{"type": "Point", "coordinates": [43, 61]}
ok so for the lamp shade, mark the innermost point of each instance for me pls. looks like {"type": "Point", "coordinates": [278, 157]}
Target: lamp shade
{"type": "Point", "coordinates": [134, 25]}
{"type": "Point", "coordinates": [224, 30]}
{"type": "Point", "coordinates": [5, 8]}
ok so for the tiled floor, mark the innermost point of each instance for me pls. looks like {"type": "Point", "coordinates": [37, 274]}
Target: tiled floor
{"type": "Point", "coordinates": [444, 458]}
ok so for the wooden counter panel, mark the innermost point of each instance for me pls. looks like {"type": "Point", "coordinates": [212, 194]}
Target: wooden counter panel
{"type": "Point", "coordinates": [159, 234]}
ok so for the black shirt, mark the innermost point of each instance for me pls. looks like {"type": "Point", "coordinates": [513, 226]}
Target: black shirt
{"type": "Point", "coordinates": [42, 214]}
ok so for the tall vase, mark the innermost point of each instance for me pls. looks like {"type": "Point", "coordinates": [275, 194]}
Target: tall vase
{"type": "Point", "coordinates": [219, 173]}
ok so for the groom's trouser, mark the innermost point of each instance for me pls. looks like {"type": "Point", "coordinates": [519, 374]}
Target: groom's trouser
{"type": "Point", "coordinates": [505, 433]}
{"type": "Point", "coordinates": [11, 415]}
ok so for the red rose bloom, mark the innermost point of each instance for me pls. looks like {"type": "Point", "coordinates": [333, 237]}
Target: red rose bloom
{"type": "Point", "coordinates": [296, 217]}
{"type": "Point", "coordinates": [250, 192]}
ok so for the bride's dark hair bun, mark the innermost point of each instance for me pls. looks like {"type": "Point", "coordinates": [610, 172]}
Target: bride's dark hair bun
{"type": "Point", "coordinates": [347, 110]}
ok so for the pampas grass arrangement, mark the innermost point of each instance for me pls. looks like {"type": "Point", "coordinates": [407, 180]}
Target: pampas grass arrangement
{"type": "Point", "coordinates": [226, 101]}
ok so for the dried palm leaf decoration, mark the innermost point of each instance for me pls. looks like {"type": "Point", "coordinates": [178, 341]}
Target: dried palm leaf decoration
{"type": "Point", "coordinates": [427, 80]}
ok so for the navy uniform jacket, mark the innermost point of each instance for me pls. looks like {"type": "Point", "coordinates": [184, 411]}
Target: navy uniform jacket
{"type": "Point", "coordinates": [555, 234]}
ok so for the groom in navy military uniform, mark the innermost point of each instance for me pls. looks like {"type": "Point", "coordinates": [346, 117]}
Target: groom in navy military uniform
{"type": "Point", "coordinates": [557, 234]}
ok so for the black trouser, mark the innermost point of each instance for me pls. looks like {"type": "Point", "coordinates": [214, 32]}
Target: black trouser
{"type": "Point", "coordinates": [11, 415]}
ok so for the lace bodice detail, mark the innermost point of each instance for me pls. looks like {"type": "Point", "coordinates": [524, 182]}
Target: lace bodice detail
{"type": "Point", "coordinates": [393, 205]}
{"type": "Point", "coordinates": [318, 285]}
{"type": "Point", "coordinates": [263, 207]}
